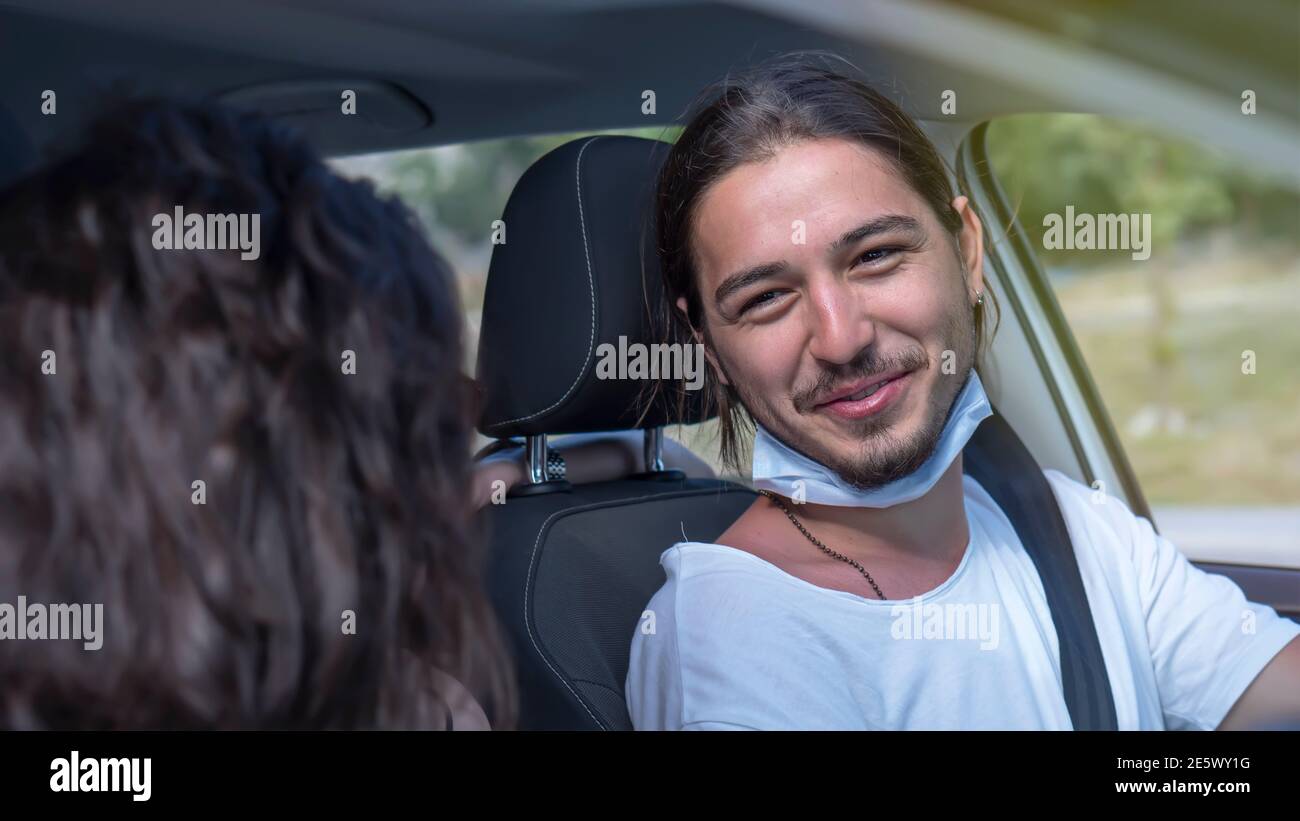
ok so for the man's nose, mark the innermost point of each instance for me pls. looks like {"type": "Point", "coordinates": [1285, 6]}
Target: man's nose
{"type": "Point", "coordinates": [839, 325]}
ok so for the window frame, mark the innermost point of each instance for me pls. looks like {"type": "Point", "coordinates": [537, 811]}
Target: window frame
{"type": "Point", "coordinates": [1033, 304]}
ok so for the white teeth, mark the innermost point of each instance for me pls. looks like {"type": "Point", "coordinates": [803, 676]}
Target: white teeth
{"type": "Point", "coordinates": [865, 393]}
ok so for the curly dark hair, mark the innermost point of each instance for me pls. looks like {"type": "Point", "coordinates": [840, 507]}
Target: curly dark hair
{"type": "Point", "coordinates": [326, 491]}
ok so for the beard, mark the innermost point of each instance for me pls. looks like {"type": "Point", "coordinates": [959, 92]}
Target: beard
{"type": "Point", "coordinates": [881, 452]}
{"type": "Point", "coordinates": [886, 456]}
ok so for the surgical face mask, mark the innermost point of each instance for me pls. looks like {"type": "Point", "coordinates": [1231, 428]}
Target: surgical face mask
{"type": "Point", "coordinates": [778, 468]}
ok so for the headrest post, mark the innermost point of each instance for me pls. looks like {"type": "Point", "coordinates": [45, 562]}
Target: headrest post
{"type": "Point", "coordinates": [537, 459]}
{"type": "Point", "coordinates": [653, 450]}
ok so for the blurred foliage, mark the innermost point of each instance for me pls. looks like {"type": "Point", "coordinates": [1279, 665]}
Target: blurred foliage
{"type": "Point", "coordinates": [466, 192]}
{"type": "Point", "coordinates": [462, 190]}
{"type": "Point", "coordinates": [1164, 337]}
{"type": "Point", "coordinates": [1102, 166]}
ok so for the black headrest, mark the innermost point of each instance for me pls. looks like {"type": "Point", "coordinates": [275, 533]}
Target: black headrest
{"type": "Point", "coordinates": [577, 271]}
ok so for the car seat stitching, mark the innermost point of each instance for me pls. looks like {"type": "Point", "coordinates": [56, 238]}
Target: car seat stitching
{"type": "Point", "coordinates": [591, 282]}
{"type": "Point", "coordinates": [532, 563]}
{"type": "Point", "coordinates": [528, 621]}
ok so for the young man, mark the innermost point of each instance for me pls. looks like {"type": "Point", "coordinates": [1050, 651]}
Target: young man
{"type": "Point", "coordinates": [811, 241]}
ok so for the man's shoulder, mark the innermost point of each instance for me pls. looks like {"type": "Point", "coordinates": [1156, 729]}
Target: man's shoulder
{"type": "Point", "coordinates": [703, 569]}
{"type": "Point", "coordinates": [1098, 522]}
{"type": "Point", "coordinates": [716, 589]}
{"type": "Point", "coordinates": [1064, 484]}
{"type": "Point", "coordinates": [1068, 490]}
{"type": "Point", "coordinates": [1103, 523]}
{"type": "Point", "coordinates": [1093, 504]}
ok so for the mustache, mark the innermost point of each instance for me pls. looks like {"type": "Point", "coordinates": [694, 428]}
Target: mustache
{"type": "Point", "coordinates": [868, 364]}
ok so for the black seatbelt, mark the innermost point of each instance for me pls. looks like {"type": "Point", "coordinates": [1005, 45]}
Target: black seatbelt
{"type": "Point", "coordinates": [997, 459]}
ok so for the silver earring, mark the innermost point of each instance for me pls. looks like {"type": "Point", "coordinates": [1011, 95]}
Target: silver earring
{"type": "Point", "coordinates": [979, 298]}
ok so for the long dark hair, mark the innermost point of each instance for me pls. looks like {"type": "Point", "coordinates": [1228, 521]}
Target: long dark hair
{"type": "Point", "coordinates": [748, 118]}
{"type": "Point", "coordinates": [326, 490]}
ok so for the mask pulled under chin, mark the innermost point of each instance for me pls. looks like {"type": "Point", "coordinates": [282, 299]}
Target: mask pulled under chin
{"type": "Point", "coordinates": [778, 467]}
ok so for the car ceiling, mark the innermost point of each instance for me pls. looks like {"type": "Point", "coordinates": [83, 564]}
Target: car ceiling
{"type": "Point", "coordinates": [449, 72]}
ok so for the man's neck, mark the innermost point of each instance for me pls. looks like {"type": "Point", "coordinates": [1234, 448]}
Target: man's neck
{"type": "Point", "coordinates": [932, 526]}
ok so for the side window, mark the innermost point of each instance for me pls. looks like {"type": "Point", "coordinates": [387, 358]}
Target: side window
{"type": "Point", "coordinates": [456, 191]}
{"type": "Point", "coordinates": [1179, 275]}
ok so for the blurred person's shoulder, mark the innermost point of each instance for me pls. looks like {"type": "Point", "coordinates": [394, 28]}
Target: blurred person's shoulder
{"type": "Point", "coordinates": [465, 711]}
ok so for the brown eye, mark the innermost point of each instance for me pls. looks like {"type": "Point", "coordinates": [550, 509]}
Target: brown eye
{"type": "Point", "coordinates": [876, 255]}
{"type": "Point", "coordinates": [760, 300]}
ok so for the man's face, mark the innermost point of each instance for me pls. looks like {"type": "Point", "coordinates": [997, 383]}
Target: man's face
{"type": "Point", "coordinates": [821, 272]}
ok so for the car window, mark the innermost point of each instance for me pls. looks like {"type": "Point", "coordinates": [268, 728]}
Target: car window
{"type": "Point", "coordinates": [1178, 273]}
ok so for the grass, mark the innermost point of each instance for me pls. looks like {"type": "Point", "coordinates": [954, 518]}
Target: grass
{"type": "Point", "coordinates": [1239, 441]}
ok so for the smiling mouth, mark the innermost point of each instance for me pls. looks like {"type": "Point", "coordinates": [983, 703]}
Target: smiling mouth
{"type": "Point", "coordinates": [864, 392]}
{"type": "Point", "coordinates": [867, 401]}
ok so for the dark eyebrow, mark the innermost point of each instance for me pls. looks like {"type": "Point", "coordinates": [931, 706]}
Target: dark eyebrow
{"type": "Point", "coordinates": [879, 225]}
{"type": "Point", "coordinates": [744, 279]}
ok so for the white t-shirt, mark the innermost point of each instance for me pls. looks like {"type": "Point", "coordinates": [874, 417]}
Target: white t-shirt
{"type": "Point", "coordinates": [737, 643]}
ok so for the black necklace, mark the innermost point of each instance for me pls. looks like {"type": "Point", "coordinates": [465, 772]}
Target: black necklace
{"type": "Point", "coordinates": [777, 500]}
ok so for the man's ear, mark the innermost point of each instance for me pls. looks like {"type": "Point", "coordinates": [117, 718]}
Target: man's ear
{"type": "Point", "coordinates": [971, 242]}
{"type": "Point", "coordinates": [700, 340]}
